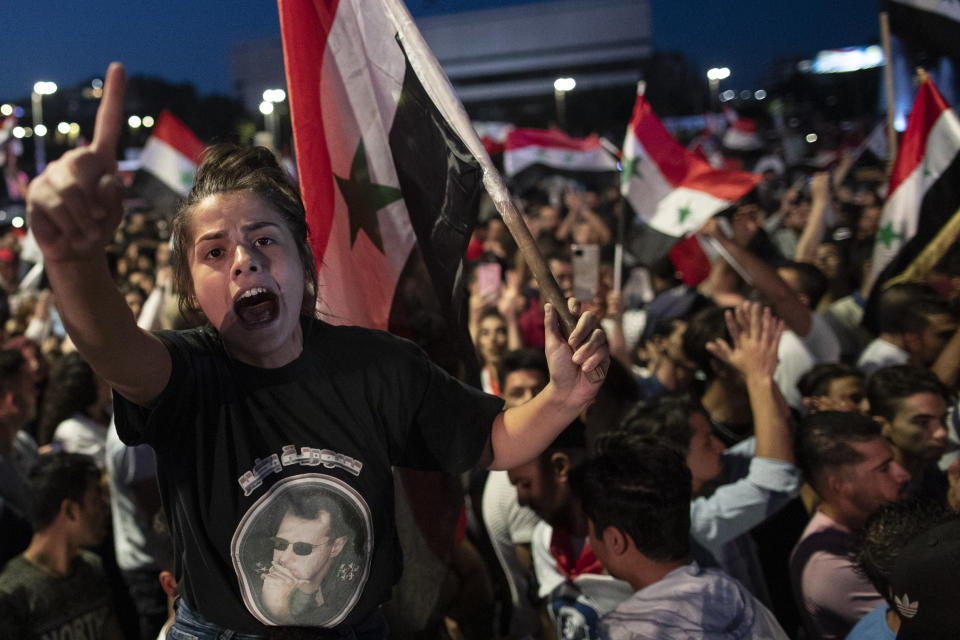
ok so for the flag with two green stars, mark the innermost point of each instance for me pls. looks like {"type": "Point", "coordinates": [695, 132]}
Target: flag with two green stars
{"type": "Point", "coordinates": [921, 215]}
{"type": "Point", "coordinates": [391, 194]}
{"type": "Point", "coordinates": [672, 191]}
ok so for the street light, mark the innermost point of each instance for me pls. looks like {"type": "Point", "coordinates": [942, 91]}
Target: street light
{"type": "Point", "coordinates": [714, 76]}
{"type": "Point", "coordinates": [272, 97]}
{"type": "Point", "coordinates": [40, 89]}
{"type": "Point", "coordinates": [560, 88]}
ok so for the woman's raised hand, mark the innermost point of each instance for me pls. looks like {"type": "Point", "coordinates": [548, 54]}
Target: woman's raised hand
{"type": "Point", "coordinates": [75, 205]}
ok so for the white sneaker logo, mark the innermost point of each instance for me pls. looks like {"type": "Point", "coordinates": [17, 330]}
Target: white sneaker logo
{"type": "Point", "coordinates": [906, 608]}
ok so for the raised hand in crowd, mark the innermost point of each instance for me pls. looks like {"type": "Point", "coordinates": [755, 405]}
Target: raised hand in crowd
{"type": "Point", "coordinates": [755, 334]}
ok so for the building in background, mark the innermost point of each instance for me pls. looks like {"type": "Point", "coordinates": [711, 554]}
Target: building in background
{"type": "Point", "coordinates": [504, 62]}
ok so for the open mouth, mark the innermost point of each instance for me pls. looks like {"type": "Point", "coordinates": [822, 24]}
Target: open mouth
{"type": "Point", "coordinates": [256, 307]}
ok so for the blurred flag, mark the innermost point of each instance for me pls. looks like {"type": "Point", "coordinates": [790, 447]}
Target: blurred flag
{"type": "Point", "coordinates": [168, 164]}
{"type": "Point", "coordinates": [876, 143]}
{"type": "Point", "coordinates": [931, 25]}
{"type": "Point", "coordinates": [671, 190]}
{"type": "Point", "coordinates": [391, 194]}
{"type": "Point", "coordinates": [555, 149]}
{"type": "Point", "coordinates": [920, 217]}
{"type": "Point", "coordinates": [742, 134]}
{"type": "Point", "coordinates": [493, 135]}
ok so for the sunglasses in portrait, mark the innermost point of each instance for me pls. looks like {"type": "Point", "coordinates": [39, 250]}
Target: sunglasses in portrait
{"type": "Point", "coordinates": [299, 548]}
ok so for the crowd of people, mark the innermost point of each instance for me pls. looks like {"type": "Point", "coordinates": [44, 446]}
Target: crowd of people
{"type": "Point", "coordinates": [767, 456]}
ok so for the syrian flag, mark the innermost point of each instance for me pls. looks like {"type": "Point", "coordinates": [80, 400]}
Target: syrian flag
{"type": "Point", "coordinates": [391, 194]}
{"type": "Point", "coordinates": [742, 134]}
{"type": "Point", "coordinates": [555, 149]}
{"type": "Point", "coordinates": [168, 164]}
{"type": "Point", "coordinates": [493, 135]}
{"type": "Point", "coordinates": [932, 25]}
{"type": "Point", "coordinates": [920, 217]}
{"type": "Point", "coordinates": [672, 191]}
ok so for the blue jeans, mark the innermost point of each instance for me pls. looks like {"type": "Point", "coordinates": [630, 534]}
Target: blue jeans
{"type": "Point", "coordinates": [190, 625]}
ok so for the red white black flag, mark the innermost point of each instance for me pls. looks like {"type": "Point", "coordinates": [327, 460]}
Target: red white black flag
{"type": "Point", "coordinates": [920, 217]}
{"type": "Point", "coordinates": [391, 193]}
{"type": "Point", "coordinates": [673, 191]}
{"type": "Point", "coordinates": [168, 163]}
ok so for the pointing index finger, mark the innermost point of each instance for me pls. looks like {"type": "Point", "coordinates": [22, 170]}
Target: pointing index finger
{"type": "Point", "coordinates": [106, 132]}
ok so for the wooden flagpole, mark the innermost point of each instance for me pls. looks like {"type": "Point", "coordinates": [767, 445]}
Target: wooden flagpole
{"type": "Point", "coordinates": [621, 224]}
{"type": "Point", "coordinates": [888, 87]}
{"type": "Point", "coordinates": [438, 87]}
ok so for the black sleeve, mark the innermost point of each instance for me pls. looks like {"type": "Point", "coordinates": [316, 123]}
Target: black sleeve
{"type": "Point", "coordinates": [137, 424]}
{"type": "Point", "coordinates": [445, 423]}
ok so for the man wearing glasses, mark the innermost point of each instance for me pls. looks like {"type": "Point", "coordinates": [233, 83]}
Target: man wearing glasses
{"type": "Point", "coordinates": [308, 541]}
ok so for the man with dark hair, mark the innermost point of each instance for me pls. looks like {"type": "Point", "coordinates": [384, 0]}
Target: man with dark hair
{"type": "Point", "coordinates": [737, 489]}
{"type": "Point", "coordinates": [55, 589]}
{"type": "Point", "coordinates": [914, 327]}
{"type": "Point", "coordinates": [833, 387]}
{"type": "Point", "coordinates": [806, 280]}
{"type": "Point", "coordinates": [911, 403]}
{"type": "Point", "coordinates": [524, 374]}
{"type": "Point", "coordinates": [849, 464]}
{"type": "Point", "coordinates": [878, 546]}
{"type": "Point", "coordinates": [18, 450]}
{"type": "Point", "coordinates": [635, 493]}
{"type": "Point", "coordinates": [312, 533]}
{"type": "Point", "coordinates": [577, 589]}
{"type": "Point", "coordinates": [669, 368]}
{"type": "Point", "coordinates": [509, 524]}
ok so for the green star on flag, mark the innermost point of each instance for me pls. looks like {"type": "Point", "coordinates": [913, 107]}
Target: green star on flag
{"type": "Point", "coordinates": [886, 235]}
{"type": "Point", "coordinates": [364, 199]}
{"type": "Point", "coordinates": [684, 212]}
{"type": "Point", "coordinates": [630, 169]}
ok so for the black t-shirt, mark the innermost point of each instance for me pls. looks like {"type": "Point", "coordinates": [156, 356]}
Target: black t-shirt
{"type": "Point", "coordinates": [277, 482]}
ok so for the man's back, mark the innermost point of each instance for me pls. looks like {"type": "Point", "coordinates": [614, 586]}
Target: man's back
{"type": "Point", "coordinates": [690, 602]}
{"type": "Point", "coordinates": [830, 594]}
{"type": "Point", "coordinates": [35, 604]}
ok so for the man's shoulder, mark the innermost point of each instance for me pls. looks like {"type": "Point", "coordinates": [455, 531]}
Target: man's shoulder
{"type": "Point", "coordinates": [15, 573]}
{"type": "Point", "coordinates": [879, 351]}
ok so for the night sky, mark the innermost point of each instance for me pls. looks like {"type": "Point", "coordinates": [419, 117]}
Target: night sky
{"type": "Point", "coordinates": [189, 41]}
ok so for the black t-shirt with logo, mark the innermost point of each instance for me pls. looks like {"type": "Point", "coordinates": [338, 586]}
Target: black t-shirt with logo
{"type": "Point", "coordinates": [277, 482]}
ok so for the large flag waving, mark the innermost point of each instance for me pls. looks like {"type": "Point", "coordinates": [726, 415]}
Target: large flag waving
{"type": "Point", "coordinates": [920, 217]}
{"type": "Point", "coordinates": [934, 25]}
{"type": "Point", "coordinates": [391, 195]}
{"type": "Point", "coordinates": [671, 190]}
{"type": "Point", "coordinates": [168, 163]}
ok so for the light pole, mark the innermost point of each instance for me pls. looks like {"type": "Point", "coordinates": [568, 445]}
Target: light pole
{"type": "Point", "coordinates": [272, 97]}
{"type": "Point", "coordinates": [714, 76]}
{"type": "Point", "coordinates": [40, 89]}
{"type": "Point", "coordinates": [560, 88]}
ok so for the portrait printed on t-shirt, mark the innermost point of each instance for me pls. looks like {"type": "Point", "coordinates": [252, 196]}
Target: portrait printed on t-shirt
{"type": "Point", "coordinates": [302, 552]}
